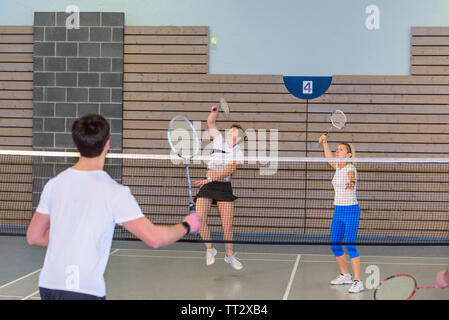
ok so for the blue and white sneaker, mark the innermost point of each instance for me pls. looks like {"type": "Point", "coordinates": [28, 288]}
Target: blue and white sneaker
{"type": "Point", "coordinates": [232, 260]}
{"type": "Point", "coordinates": [357, 286]}
{"type": "Point", "coordinates": [342, 279]}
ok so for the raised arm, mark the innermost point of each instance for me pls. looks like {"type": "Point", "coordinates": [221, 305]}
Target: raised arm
{"type": "Point", "coordinates": [211, 119]}
{"type": "Point", "coordinates": [327, 150]}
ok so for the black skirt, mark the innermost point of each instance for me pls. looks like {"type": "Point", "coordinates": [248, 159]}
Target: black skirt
{"type": "Point", "coordinates": [217, 191]}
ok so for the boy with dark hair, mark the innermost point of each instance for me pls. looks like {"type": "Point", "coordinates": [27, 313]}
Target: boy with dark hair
{"type": "Point", "coordinates": [76, 216]}
{"type": "Point", "coordinates": [90, 134]}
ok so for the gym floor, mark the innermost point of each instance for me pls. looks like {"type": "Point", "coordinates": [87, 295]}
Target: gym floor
{"type": "Point", "coordinates": [179, 272]}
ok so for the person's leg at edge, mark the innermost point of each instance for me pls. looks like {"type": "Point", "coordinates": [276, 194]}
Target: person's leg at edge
{"type": "Point", "coordinates": [352, 226]}
{"type": "Point", "coordinates": [202, 208]}
{"type": "Point", "coordinates": [227, 217]}
{"type": "Point", "coordinates": [337, 234]}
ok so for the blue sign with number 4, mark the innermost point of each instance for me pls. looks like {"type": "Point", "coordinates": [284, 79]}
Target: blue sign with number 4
{"type": "Point", "coordinates": [307, 88]}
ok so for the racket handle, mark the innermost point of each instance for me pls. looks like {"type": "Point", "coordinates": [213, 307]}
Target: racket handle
{"type": "Point", "coordinates": [328, 130]}
{"type": "Point", "coordinates": [192, 211]}
{"type": "Point", "coordinates": [194, 222]}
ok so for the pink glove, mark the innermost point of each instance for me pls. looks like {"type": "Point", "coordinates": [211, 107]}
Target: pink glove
{"type": "Point", "coordinates": [194, 222]}
{"type": "Point", "coordinates": [443, 279]}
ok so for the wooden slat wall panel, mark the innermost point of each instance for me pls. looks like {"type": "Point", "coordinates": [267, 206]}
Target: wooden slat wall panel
{"type": "Point", "coordinates": [256, 102]}
{"type": "Point", "coordinates": [399, 199]}
{"type": "Point", "coordinates": [393, 116]}
{"type": "Point", "coordinates": [15, 194]}
{"type": "Point", "coordinates": [16, 112]}
{"type": "Point", "coordinates": [166, 74]}
{"type": "Point", "coordinates": [16, 87]}
{"type": "Point", "coordinates": [178, 50]}
{"type": "Point", "coordinates": [389, 116]}
{"type": "Point", "coordinates": [385, 128]}
{"type": "Point", "coordinates": [154, 93]}
{"type": "Point", "coordinates": [429, 51]}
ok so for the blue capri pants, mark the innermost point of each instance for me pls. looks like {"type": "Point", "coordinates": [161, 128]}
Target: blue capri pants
{"type": "Point", "coordinates": [345, 224]}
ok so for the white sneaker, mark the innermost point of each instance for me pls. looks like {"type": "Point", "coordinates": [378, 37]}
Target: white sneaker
{"type": "Point", "coordinates": [210, 256]}
{"type": "Point", "coordinates": [342, 279]}
{"type": "Point", "coordinates": [237, 265]}
{"type": "Point", "coordinates": [356, 287]}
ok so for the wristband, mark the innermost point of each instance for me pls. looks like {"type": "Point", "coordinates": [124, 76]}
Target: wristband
{"type": "Point", "coordinates": [186, 226]}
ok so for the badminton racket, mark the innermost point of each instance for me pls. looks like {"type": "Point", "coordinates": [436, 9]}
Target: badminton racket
{"type": "Point", "coordinates": [338, 120]}
{"type": "Point", "coordinates": [398, 287]}
{"type": "Point", "coordinates": [224, 106]}
{"type": "Point", "coordinates": [184, 142]}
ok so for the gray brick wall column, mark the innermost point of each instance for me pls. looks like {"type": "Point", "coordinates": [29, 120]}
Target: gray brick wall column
{"type": "Point", "coordinates": [76, 72]}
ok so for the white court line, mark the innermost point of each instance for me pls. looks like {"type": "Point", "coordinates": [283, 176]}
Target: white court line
{"type": "Point", "coordinates": [282, 260]}
{"type": "Point", "coordinates": [114, 251]}
{"type": "Point", "coordinates": [376, 263]}
{"type": "Point", "coordinates": [186, 257]}
{"type": "Point", "coordinates": [203, 251]}
{"type": "Point", "coordinates": [21, 278]}
{"type": "Point", "coordinates": [289, 254]}
{"type": "Point", "coordinates": [364, 256]}
{"type": "Point", "coordinates": [9, 297]}
{"type": "Point", "coordinates": [149, 256]}
{"type": "Point", "coordinates": [36, 292]}
{"type": "Point", "coordinates": [292, 276]}
{"type": "Point", "coordinates": [30, 295]}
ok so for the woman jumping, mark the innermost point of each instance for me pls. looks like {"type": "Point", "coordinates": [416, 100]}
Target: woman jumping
{"type": "Point", "coordinates": [217, 188]}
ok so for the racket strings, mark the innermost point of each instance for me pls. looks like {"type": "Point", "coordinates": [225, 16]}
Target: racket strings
{"type": "Point", "coordinates": [182, 137]}
{"type": "Point", "coordinates": [225, 108]}
{"type": "Point", "coordinates": [396, 288]}
{"type": "Point", "coordinates": [338, 119]}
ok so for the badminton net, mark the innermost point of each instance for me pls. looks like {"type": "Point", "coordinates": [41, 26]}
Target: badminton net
{"type": "Point", "coordinates": [279, 200]}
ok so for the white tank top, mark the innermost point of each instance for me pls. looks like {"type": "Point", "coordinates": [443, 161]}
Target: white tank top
{"type": "Point", "coordinates": [222, 155]}
{"type": "Point", "coordinates": [343, 196]}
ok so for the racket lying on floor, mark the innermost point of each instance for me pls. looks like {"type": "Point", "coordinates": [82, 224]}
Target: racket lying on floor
{"type": "Point", "coordinates": [184, 141]}
{"type": "Point", "coordinates": [338, 120]}
{"type": "Point", "coordinates": [398, 287]}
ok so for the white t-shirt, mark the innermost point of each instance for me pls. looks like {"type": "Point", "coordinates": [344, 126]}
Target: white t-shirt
{"type": "Point", "coordinates": [84, 207]}
{"type": "Point", "coordinates": [343, 196]}
{"type": "Point", "coordinates": [222, 155]}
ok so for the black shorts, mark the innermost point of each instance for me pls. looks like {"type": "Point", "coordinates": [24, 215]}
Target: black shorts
{"type": "Point", "coordinates": [217, 191]}
{"type": "Point", "coordinates": [52, 294]}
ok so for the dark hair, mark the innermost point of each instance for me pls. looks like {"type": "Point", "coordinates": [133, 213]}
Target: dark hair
{"type": "Point", "coordinates": [90, 134]}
